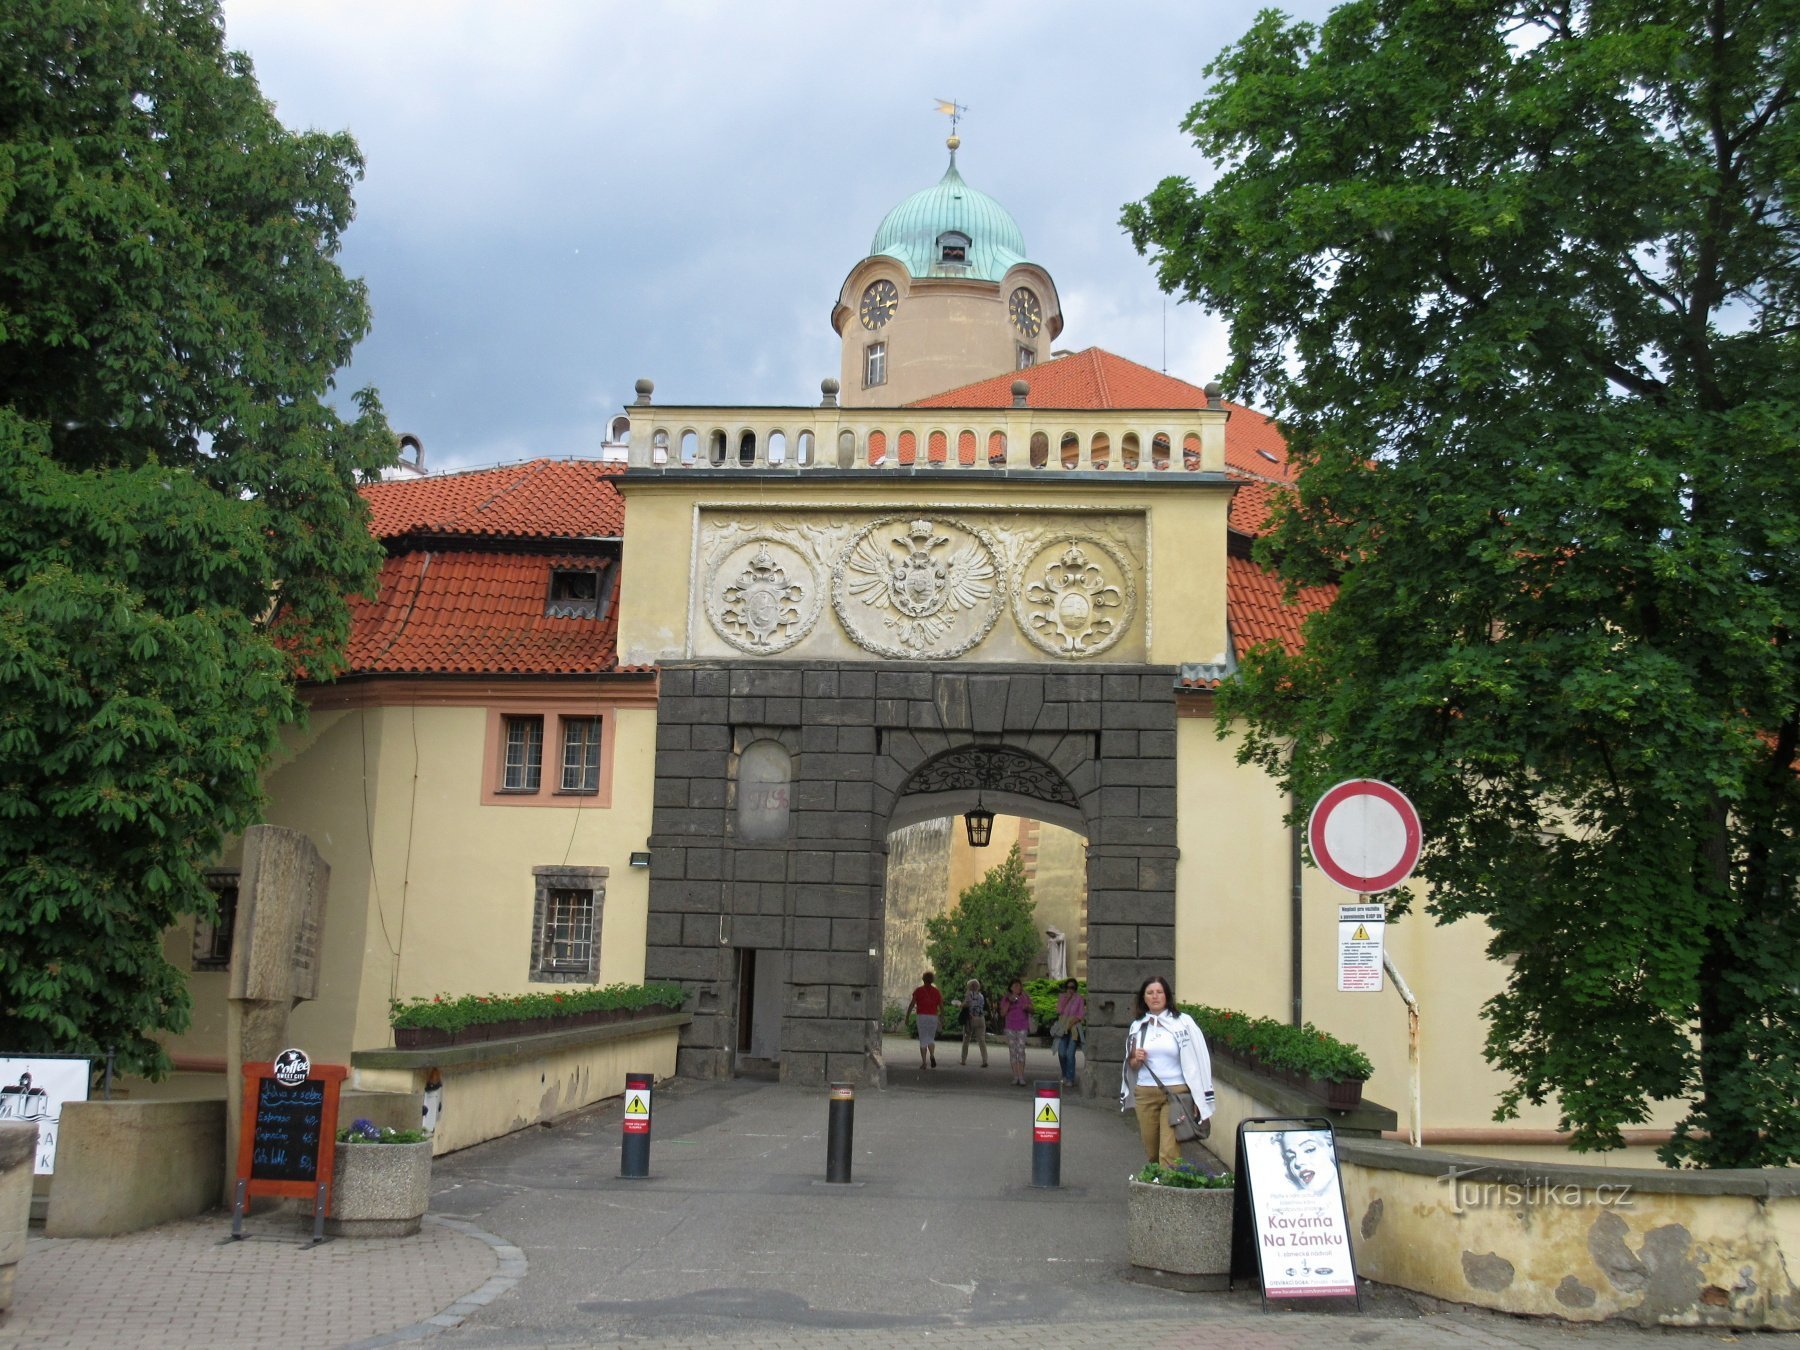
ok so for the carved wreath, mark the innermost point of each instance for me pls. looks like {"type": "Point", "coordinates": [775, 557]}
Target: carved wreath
{"type": "Point", "coordinates": [934, 593]}
{"type": "Point", "coordinates": [763, 598]}
{"type": "Point", "coordinates": [1075, 598]}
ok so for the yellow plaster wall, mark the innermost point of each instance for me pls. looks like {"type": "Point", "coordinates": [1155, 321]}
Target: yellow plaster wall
{"type": "Point", "coordinates": [431, 890]}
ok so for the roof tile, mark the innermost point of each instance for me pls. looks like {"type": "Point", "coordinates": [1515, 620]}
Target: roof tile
{"type": "Point", "coordinates": [539, 499]}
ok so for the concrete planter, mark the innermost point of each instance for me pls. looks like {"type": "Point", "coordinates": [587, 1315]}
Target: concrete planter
{"type": "Point", "coordinates": [379, 1190]}
{"type": "Point", "coordinates": [18, 1149]}
{"type": "Point", "coordinates": [1181, 1236]}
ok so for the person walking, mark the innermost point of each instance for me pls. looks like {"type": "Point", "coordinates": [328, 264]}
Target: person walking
{"type": "Point", "coordinates": [927, 1000]}
{"type": "Point", "coordinates": [1015, 1015]}
{"type": "Point", "coordinates": [1167, 1044]}
{"type": "Point", "coordinates": [974, 1020]}
{"type": "Point", "coordinates": [1071, 1018]}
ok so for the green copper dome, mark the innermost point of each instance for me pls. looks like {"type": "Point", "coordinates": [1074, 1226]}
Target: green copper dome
{"type": "Point", "coordinates": [923, 232]}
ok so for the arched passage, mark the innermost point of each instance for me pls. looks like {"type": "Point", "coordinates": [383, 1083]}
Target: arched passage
{"type": "Point", "coordinates": [872, 746]}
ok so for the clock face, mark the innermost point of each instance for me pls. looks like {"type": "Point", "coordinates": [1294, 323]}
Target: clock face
{"type": "Point", "coordinates": [879, 302]}
{"type": "Point", "coordinates": [1027, 314]}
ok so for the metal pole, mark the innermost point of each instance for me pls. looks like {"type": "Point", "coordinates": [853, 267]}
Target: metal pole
{"type": "Point", "coordinates": [634, 1137]}
{"type": "Point", "coordinates": [840, 1132]}
{"type": "Point", "coordinates": [1412, 1046]}
{"type": "Point", "coordinates": [1046, 1134]}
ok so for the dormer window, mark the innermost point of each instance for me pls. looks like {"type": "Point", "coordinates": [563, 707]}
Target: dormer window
{"type": "Point", "coordinates": [574, 594]}
{"type": "Point", "coordinates": [953, 248]}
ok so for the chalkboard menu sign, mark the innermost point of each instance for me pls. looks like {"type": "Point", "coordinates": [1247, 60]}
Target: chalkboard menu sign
{"type": "Point", "coordinates": [289, 1137]}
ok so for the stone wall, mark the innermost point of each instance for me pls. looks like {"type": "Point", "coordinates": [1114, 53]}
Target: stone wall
{"type": "Point", "coordinates": [1104, 738]}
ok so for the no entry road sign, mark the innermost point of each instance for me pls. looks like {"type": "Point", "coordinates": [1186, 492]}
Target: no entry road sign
{"type": "Point", "coordinates": [1365, 836]}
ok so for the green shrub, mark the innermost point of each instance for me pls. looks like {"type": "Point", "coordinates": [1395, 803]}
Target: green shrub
{"type": "Point", "coordinates": [989, 934]}
{"type": "Point", "coordinates": [453, 1014]}
{"type": "Point", "coordinates": [1302, 1049]}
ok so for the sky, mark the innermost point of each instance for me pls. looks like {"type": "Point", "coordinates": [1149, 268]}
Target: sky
{"type": "Point", "coordinates": [562, 196]}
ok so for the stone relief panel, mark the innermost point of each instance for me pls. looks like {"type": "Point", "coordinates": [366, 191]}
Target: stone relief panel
{"type": "Point", "coordinates": [763, 596]}
{"type": "Point", "coordinates": [928, 583]}
{"type": "Point", "coordinates": [1075, 596]}
{"type": "Point", "coordinates": [915, 587]}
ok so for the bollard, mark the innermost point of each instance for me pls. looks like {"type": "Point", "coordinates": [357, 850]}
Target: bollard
{"type": "Point", "coordinates": [840, 1129]}
{"type": "Point", "coordinates": [634, 1137]}
{"type": "Point", "coordinates": [1046, 1134]}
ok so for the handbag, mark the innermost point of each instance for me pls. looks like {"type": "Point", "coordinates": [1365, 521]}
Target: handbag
{"type": "Point", "coordinates": [1184, 1119]}
{"type": "Point", "coordinates": [1059, 1028]}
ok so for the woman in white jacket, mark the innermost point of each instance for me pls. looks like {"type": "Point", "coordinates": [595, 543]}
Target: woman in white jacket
{"type": "Point", "coordinates": [1169, 1043]}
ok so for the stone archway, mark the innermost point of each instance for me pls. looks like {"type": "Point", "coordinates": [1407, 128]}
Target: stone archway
{"type": "Point", "coordinates": [877, 746]}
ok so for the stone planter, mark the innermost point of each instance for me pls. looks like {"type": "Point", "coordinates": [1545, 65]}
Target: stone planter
{"type": "Point", "coordinates": [1181, 1236]}
{"type": "Point", "coordinates": [379, 1190]}
{"type": "Point", "coordinates": [18, 1150]}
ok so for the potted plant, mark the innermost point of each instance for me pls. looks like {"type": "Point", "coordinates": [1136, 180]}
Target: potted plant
{"type": "Point", "coordinates": [380, 1181]}
{"type": "Point", "coordinates": [1312, 1060]}
{"type": "Point", "coordinates": [1179, 1225]}
{"type": "Point", "coordinates": [422, 1023]}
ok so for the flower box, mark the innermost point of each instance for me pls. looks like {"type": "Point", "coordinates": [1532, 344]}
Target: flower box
{"type": "Point", "coordinates": [379, 1190]}
{"type": "Point", "coordinates": [1179, 1234]}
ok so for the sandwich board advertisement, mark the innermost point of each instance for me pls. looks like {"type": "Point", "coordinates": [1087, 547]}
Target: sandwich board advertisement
{"type": "Point", "coordinates": [1297, 1219]}
{"type": "Point", "coordinates": [33, 1088]}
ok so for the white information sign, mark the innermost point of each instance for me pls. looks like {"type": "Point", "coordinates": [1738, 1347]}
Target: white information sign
{"type": "Point", "coordinates": [1297, 1209]}
{"type": "Point", "coordinates": [1360, 929]}
{"type": "Point", "coordinates": [35, 1090]}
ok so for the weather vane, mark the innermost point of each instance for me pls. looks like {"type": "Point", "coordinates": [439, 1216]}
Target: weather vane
{"type": "Point", "coordinates": [953, 110]}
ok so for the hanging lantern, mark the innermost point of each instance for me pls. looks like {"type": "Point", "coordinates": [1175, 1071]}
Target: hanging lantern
{"type": "Point", "coordinates": [980, 823]}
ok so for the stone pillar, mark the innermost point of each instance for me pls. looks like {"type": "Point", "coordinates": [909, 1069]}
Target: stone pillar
{"type": "Point", "coordinates": [274, 957]}
{"type": "Point", "coordinates": [18, 1150]}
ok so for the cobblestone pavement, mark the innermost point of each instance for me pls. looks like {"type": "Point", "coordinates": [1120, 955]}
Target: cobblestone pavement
{"type": "Point", "coordinates": [187, 1284]}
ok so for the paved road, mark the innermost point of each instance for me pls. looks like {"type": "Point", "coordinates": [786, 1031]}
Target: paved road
{"type": "Point", "coordinates": [735, 1238]}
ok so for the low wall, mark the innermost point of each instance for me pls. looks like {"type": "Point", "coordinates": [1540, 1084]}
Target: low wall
{"type": "Point", "coordinates": [493, 1088]}
{"type": "Point", "coordinates": [126, 1165]}
{"type": "Point", "coordinates": [1586, 1242]}
{"type": "Point", "coordinates": [1646, 1245]}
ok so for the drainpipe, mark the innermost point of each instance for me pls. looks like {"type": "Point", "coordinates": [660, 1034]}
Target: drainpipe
{"type": "Point", "coordinates": [1295, 1009]}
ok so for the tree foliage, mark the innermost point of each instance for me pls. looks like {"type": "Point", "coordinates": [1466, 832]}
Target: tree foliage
{"type": "Point", "coordinates": [989, 934]}
{"type": "Point", "coordinates": [1521, 281]}
{"type": "Point", "coordinates": [179, 519]}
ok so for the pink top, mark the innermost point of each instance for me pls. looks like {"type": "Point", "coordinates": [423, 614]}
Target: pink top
{"type": "Point", "coordinates": [1017, 1010]}
{"type": "Point", "coordinates": [1071, 1005]}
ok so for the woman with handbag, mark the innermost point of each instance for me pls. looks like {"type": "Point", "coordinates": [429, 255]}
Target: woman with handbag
{"type": "Point", "coordinates": [1071, 1013]}
{"type": "Point", "coordinates": [1167, 1075]}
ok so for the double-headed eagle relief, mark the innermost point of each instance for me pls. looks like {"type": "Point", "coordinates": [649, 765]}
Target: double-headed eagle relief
{"type": "Point", "coordinates": [931, 593]}
{"type": "Point", "coordinates": [923, 586]}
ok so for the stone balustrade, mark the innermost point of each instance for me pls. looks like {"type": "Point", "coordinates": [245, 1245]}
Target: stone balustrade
{"type": "Point", "coordinates": [1047, 441]}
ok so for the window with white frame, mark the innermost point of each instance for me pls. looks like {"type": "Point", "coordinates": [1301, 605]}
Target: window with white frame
{"type": "Point", "coordinates": [874, 364]}
{"type": "Point", "coordinates": [1027, 358]}
{"type": "Point", "coordinates": [523, 765]}
{"type": "Point", "coordinates": [565, 927]}
{"type": "Point", "coordinates": [581, 754]}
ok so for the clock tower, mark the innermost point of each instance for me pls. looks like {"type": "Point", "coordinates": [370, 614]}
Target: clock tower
{"type": "Point", "coordinates": [946, 297]}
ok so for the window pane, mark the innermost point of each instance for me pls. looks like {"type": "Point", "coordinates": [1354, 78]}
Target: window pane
{"type": "Point", "coordinates": [524, 754]}
{"type": "Point", "coordinates": [581, 754]}
{"type": "Point", "coordinates": [568, 930]}
{"type": "Point", "coordinates": [875, 364]}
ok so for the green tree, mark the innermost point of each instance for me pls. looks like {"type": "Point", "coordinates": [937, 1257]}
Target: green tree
{"type": "Point", "coordinates": [179, 520]}
{"type": "Point", "coordinates": [1521, 280]}
{"type": "Point", "coordinates": [988, 934]}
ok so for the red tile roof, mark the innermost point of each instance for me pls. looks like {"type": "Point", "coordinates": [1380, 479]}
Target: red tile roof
{"type": "Point", "coordinates": [1095, 378]}
{"type": "Point", "coordinates": [1256, 610]}
{"type": "Point", "coordinates": [467, 613]}
{"type": "Point", "coordinates": [540, 499]}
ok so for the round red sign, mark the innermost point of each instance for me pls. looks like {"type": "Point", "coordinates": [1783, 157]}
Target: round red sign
{"type": "Point", "coordinates": [1365, 835]}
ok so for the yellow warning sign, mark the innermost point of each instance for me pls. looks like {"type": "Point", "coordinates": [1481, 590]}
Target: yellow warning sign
{"type": "Point", "coordinates": [1361, 934]}
{"type": "Point", "coordinates": [637, 1104]}
{"type": "Point", "coordinates": [1047, 1116]}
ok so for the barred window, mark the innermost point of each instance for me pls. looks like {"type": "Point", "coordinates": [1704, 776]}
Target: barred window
{"type": "Point", "coordinates": [581, 754]}
{"type": "Point", "coordinates": [523, 769]}
{"type": "Point", "coordinates": [565, 930]}
{"type": "Point", "coordinates": [212, 939]}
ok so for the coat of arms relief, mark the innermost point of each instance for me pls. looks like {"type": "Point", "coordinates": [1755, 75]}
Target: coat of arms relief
{"type": "Point", "coordinates": [921, 586]}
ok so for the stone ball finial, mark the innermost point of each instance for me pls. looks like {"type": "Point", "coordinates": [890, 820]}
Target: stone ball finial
{"type": "Point", "coordinates": [1215, 394]}
{"type": "Point", "coordinates": [1021, 390]}
{"type": "Point", "coordinates": [829, 388]}
{"type": "Point", "coordinates": [644, 389]}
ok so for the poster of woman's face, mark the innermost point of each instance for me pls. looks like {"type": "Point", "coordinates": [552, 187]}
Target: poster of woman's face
{"type": "Point", "coordinates": [1307, 1159]}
